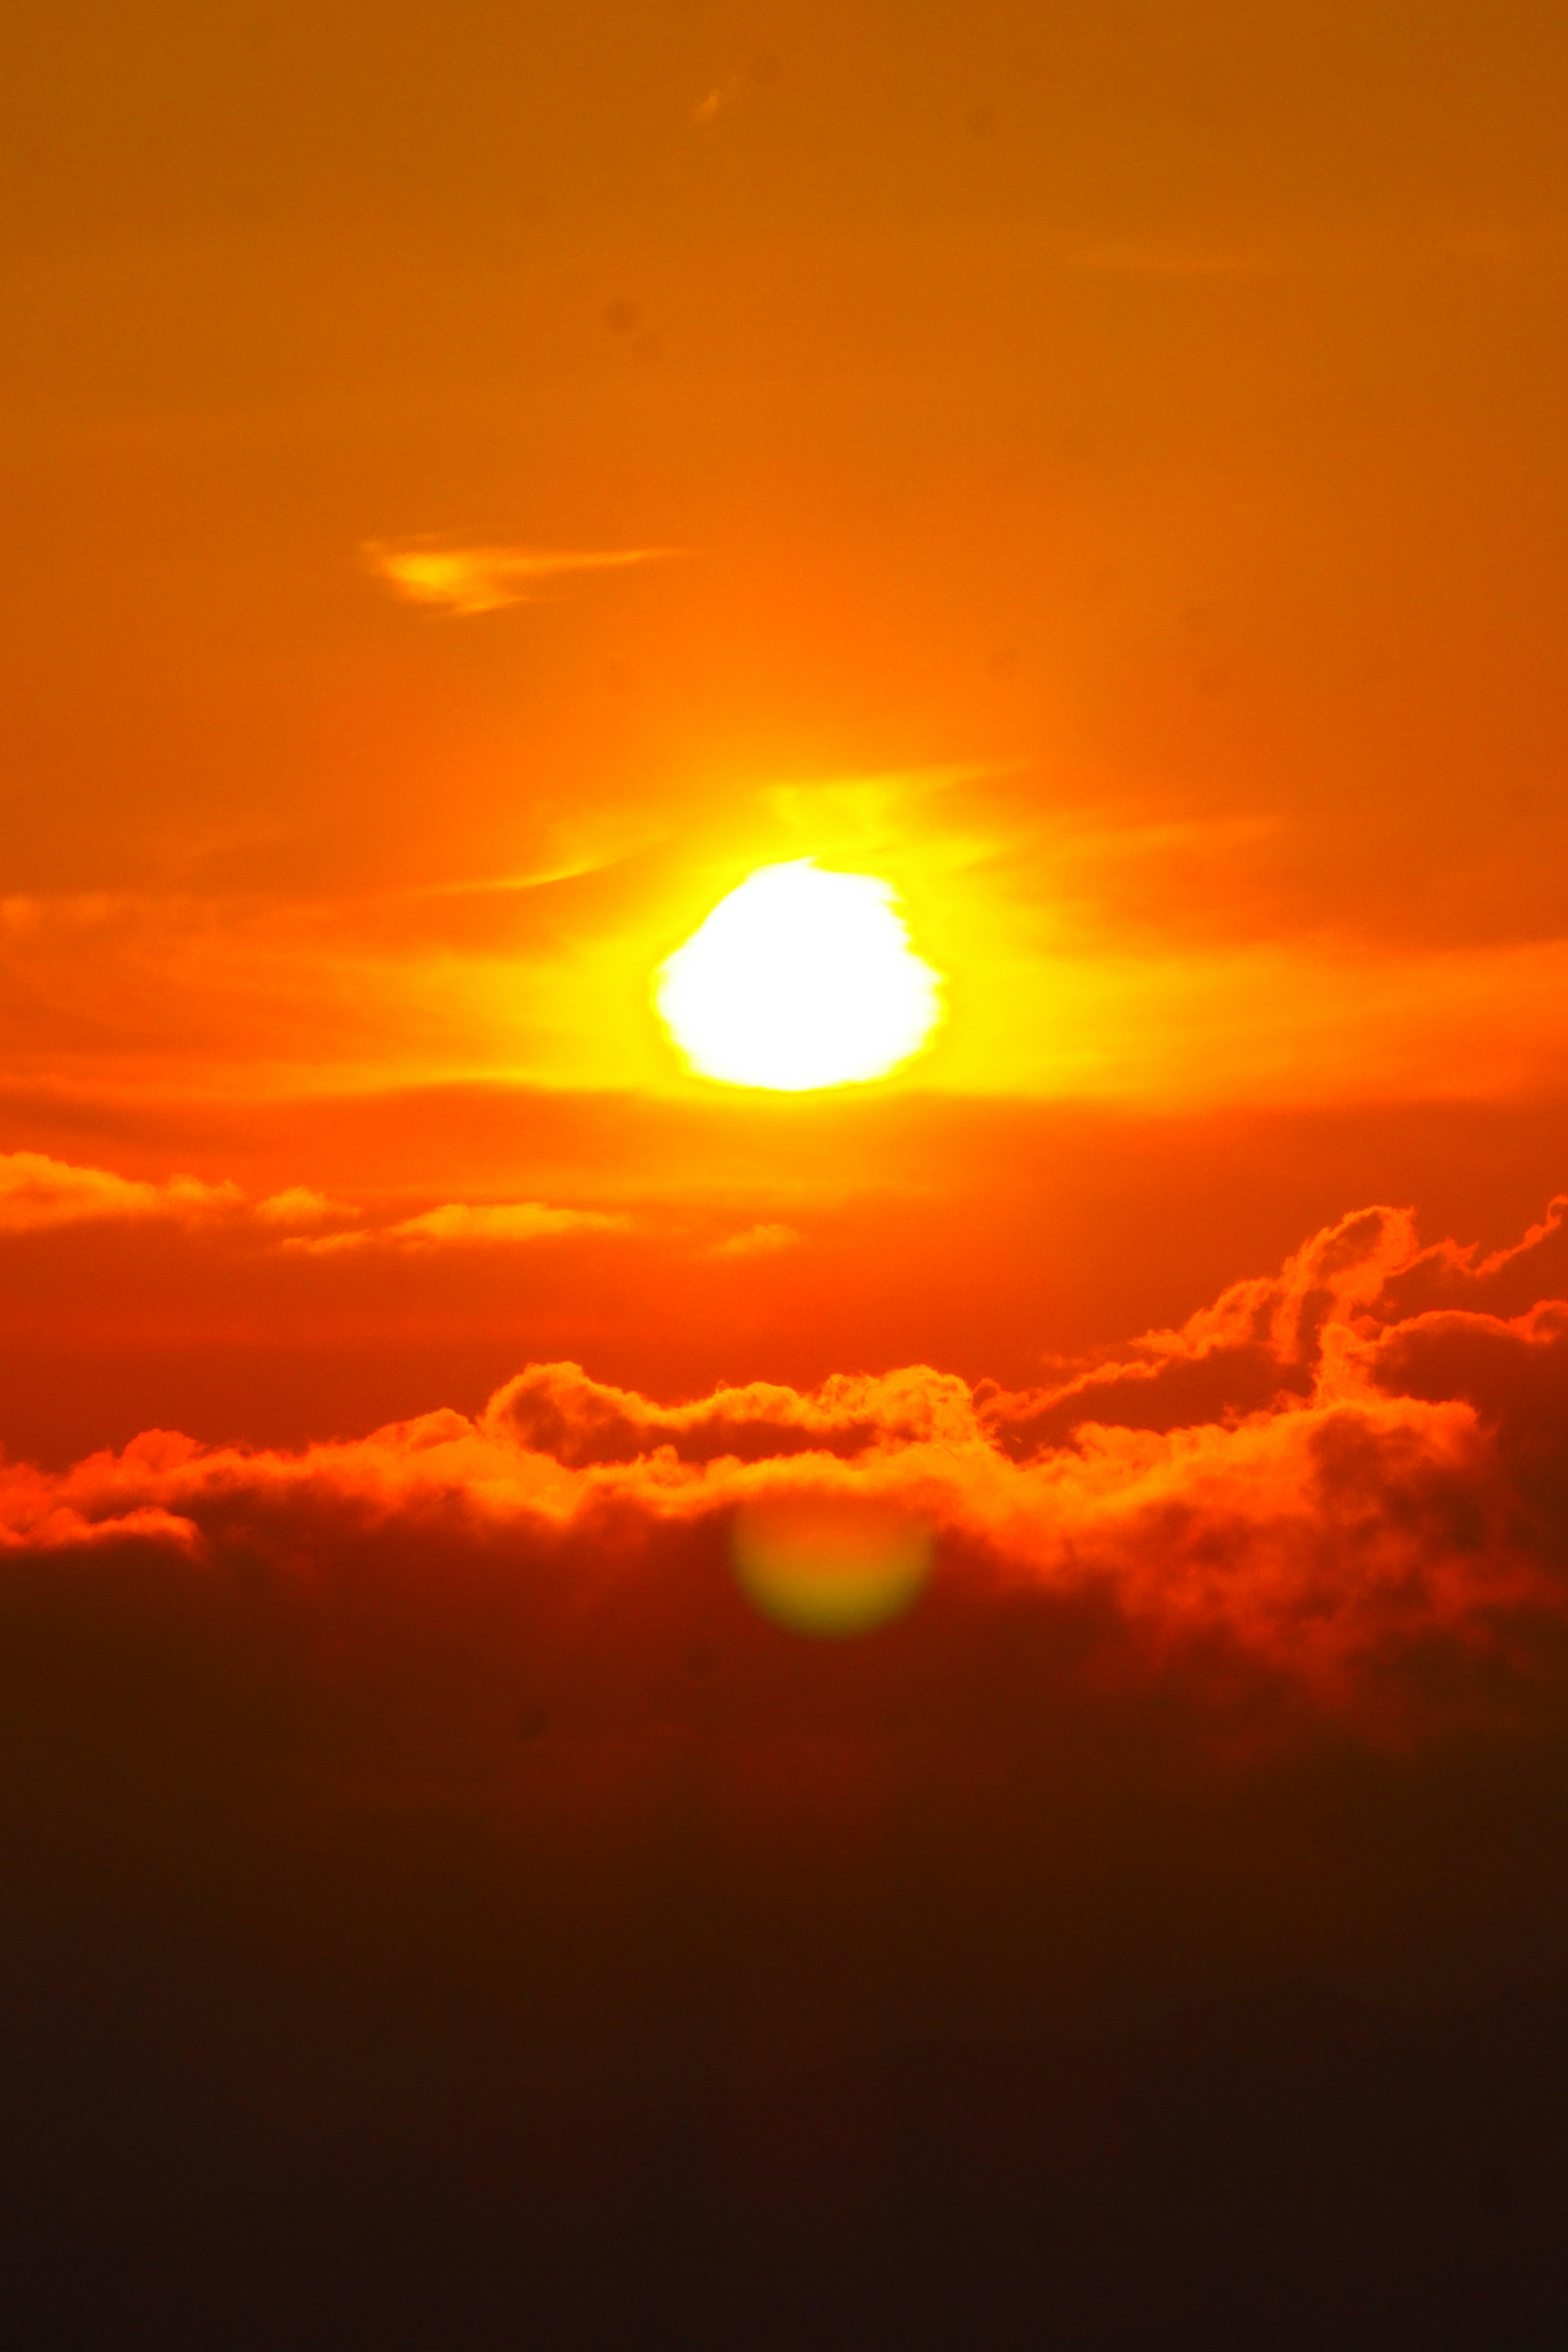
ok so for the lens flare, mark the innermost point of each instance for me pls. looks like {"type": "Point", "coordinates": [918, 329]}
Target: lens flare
{"type": "Point", "coordinates": [830, 1565]}
{"type": "Point", "coordinates": [799, 979]}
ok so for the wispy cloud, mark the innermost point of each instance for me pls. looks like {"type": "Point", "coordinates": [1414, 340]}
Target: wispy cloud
{"type": "Point", "coordinates": [301, 1204]}
{"type": "Point", "coordinates": [763, 71]}
{"type": "Point", "coordinates": [37, 1193]}
{"type": "Point", "coordinates": [760, 1241]}
{"type": "Point", "coordinates": [467, 580]}
{"type": "Point", "coordinates": [459, 1222]}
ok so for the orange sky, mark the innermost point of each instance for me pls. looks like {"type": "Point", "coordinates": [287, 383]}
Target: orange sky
{"type": "Point", "coordinates": [1106, 474]}
{"type": "Point", "coordinates": [478, 481]}
{"type": "Point", "coordinates": [466, 509]}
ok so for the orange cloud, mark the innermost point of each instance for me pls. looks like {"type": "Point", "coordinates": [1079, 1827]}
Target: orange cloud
{"type": "Point", "coordinates": [37, 1192]}
{"type": "Point", "coordinates": [460, 1222]}
{"type": "Point", "coordinates": [499, 1744]}
{"type": "Point", "coordinates": [297, 1204]}
{"type": "Point", "coordinates": [1057, 993]}
{"type": "Point", "coordinates": [467, 580]}
{"type": "Point", "coordinates": [1305, 1479]}
{"type": "Point", "coordinates": [759, 1241]}
{"type": "Point", "coordinates": [557, 1409]}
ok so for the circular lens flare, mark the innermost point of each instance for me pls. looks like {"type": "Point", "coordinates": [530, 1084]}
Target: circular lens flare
{"type": "Point", "coordinates": [799, 979]}
{"type": "Point", "coordinates": [830, 1565]}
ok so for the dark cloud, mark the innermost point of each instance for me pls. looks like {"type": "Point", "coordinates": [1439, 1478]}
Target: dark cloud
{"type": "Point", "coordinates": [427, 1871]}
{"type": "Point", "coordinates": [1301, 1472]}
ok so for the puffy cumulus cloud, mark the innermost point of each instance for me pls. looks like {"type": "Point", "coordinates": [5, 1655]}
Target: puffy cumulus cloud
{"type": "Point", "coordinates": [467, 580]}
{"type": "Point", "coordinates": [461, 1222]}
{"type": "Point", "coordinates": [1306, 1485]}
{"type": "Point", "coordinates": [557, 1409]}
{"type": "Point", "coordinates": [37, 1192]}
{"type": "Point", "coordinates": [1259, 1345]}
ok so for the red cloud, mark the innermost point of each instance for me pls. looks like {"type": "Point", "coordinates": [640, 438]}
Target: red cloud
{"type": "Point", "coordinates": [1319, 1478]}
{"type": "Point", "coordinates": [441, 1794]}
{"type": "Point", "coordinates": [557, 1409]}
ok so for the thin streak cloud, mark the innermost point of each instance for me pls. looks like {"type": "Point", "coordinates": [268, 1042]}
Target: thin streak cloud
{"type": "Point", "coordinates": [759, 1241]}
{"type": "Point", "coordinates": [460, 1222]}
{"type": "Point", "coordinates": [462, 581]}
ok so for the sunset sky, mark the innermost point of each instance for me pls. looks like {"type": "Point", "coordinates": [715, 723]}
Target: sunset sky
{"type": "Point", "coordinates": [479, 483]}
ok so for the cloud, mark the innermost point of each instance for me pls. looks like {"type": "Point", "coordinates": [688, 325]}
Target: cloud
{"type": "Point", "coordinates": [37, 1195]}
{"type": "Point", "coordinates": [557, 1409]}
{"type": "Point", "coordinates": [467, 580]}
{"type": "Point", "coordinates": [1307, 1485]}
{"type": "Point", "coordinates": [759, 1241]}
{"type": "Point", "coordinates": [251, 996]}
{"type": "Point", "coordinates": [1259, 1347]}
{"type": "Point", "coordinates": [460, 1222]}
{"type": "Point", "coordinates": [438, 1810]}
{"type": "Point", "coordinates": [37, 1192]}
{"type": "Point", "coordinates": [763, 72]}
{"type": "Point", "coordinates": [299, 1204]}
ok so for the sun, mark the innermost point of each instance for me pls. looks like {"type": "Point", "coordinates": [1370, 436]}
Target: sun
{"type": "Point", "coordinates": [800, 978]}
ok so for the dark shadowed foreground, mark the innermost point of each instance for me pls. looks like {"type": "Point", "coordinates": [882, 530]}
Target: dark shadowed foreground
{"type": "Point", "coordinates": [441, 1911]}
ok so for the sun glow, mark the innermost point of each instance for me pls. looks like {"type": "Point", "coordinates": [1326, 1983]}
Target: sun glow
{"type": "Point", "coordinates": [799, 979]}
{"type": "Point", "coordinates": [830, 1564]}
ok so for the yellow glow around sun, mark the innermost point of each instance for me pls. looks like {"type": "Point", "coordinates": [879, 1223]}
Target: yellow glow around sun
{"type": "Point", "coordinates": [830, 1565]}
{"type": "Point", "coordinates": [799, 979]}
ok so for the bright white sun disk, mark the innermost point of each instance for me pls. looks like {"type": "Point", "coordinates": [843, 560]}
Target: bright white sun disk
{"type": "Point", "coordinates": [799, 979]}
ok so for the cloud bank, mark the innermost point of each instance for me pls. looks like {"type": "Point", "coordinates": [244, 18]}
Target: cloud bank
{"type": "Point", "coordinates": [1324, 1483]}
{"type": "Point", "coordinates": [422, 1843]}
